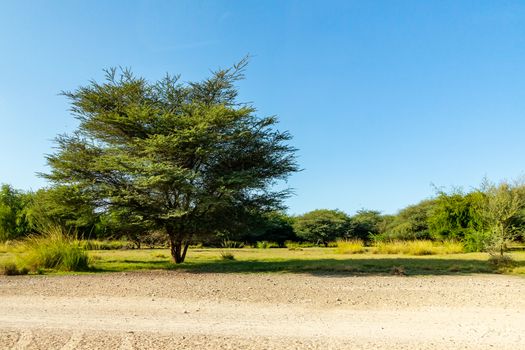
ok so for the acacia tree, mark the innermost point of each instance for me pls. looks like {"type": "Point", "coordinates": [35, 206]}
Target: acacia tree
{"type": "Point", "coordinates": [185, 158]}
{"type": "Point", "coordinates": [322, 226]}
{"type": "Point", "coordinates": [499, 207]}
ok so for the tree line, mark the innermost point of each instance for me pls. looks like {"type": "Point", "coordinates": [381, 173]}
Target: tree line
{"type": "Point", "coordinates": [484, 219]}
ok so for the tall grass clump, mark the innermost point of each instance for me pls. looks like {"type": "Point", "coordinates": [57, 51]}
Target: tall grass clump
{"type": "Point", "coordinates": [5, 246]}
{"type": "Point", "coordinates": [54, 249]}
{"type": "Point", "coordinates": [417, 247]}
{"type": "Point", "coordinates": [354, 246]}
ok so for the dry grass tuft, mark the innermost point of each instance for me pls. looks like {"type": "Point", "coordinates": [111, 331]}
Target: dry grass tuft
{"type": "Point", "coordinates": [355, 246]}
{"type": "Point", "coordinates": [418, 247]}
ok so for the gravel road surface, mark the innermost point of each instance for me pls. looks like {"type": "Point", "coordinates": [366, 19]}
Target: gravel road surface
{"type": "Point", "coordinates": [178, 310]}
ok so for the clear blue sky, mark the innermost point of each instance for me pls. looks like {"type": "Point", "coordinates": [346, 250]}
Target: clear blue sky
{"type": "Point", "coordinates": [383, 98]}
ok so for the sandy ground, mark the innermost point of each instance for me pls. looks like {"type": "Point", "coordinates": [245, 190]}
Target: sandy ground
{"type": "Point", "coordinates": [176, 310]}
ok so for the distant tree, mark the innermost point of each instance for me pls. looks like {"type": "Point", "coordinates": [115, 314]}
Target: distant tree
{"type": "Point", "coordinates": [66, 206]}
{"type": "Point", "coordinates": [273, 227]}
{"type": "Point", "coordinates": [410, 223]}
{"type": "Point", "coordinates": [188, 159]}
{"type": "Point", "coordinates": [365, 223]}
{"type": "Point", "coordinates": [322, 226]}
{"type": "Point", "coordinates": [500, 207]}
{"type": "Point", "coordinates": [14, 220]}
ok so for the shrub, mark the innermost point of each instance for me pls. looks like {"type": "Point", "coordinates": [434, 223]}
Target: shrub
{"type": "Point", "coordinates": [266, 245]}
{"type": "Point", "coordinates": [398, 271]}
{"type": "Point", "coordinates": [476, 241]}
{"type": "Point", "coordinates": [355, 246]}
{"type": "Point", "coordinates": [501, 261]}
{"type": "Point", "coordinates": [227, 256]}
{"type": "Point", "coordinates": [54, 250]}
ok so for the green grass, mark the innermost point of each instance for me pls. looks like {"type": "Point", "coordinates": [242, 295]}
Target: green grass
{"type": "Point", "coordinates": [318, 261]}
{"type": "Point", "coordinates": [308, 260]}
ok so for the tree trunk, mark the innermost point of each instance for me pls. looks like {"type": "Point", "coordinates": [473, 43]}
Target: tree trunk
{"type": "Point", "coordinates": [178, 247]}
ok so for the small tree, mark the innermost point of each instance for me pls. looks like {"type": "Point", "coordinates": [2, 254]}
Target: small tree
{"type": "Point", "coordinates": [454, 215]}
{"type": "Point", "coordinates": [14, 206]}
{"type": "Point", "coordinates": [499, 208]}
{"type": "Point", "coordinates": [185, 158]}
{"type": "Point", "coordinates": [322, 226]}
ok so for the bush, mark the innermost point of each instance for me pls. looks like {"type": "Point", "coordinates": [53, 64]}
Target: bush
{"type": "Point", "coordinates": [476, 241]}
{"type": "Point", "coordinates": [227, 256]}
{"type": "Point", "coordinates": [11, 269]}
{"type": "Point", "coordinates": [54, 250]}
{"type": "Point", "coordinates": [502, 261]}
{"type": "Point", "coordinates": [355, 246]}
{"type": "Point", "coordinates": [266, 245]}
{"type": "Point", "coordinates": [417, 247]}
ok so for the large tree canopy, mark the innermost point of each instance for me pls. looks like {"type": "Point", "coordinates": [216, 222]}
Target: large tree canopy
{"type": "Point", "coordinates": [186, 158]}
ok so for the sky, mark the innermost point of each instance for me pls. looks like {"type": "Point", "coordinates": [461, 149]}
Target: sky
{"type": "Point", "coordinates": [385, 99]}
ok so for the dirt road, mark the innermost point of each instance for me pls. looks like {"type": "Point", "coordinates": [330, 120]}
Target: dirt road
{"type": "Point", "coordinates": [175, 310]}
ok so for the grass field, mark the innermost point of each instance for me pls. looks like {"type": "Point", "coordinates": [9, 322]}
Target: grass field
{"type": "Point", "coordinates": [306, 260]}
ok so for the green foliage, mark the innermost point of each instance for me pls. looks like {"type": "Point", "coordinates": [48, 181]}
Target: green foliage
{"type": "Point", "coordinates": [500, 207]}
{"type": "Point", "coordinates": [188, 159]}
{"type": "Point", "coordinates": [54, 250]}
{"type": "Point", "coordinates": [14, 221]}
{"type": "Point", "coordinates": [274, 226]}
{"type": "Point", "coordinates": [411, 223]}
{"type": "Point", "coordinates": [365, 224]}
{"type": "Point", "coordinates": [476, 241]}
{"type": "Point", "coordinates": [322, 226]}
{"type": "Point", "coordinates": [65, 206]}
{"type": "Point", "coordinates": [454, 215]}
{"type": "Point", "coordinates": [266, 245]}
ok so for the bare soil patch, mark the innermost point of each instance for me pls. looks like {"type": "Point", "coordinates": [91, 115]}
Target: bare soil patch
{"type": "Point", "coordinates": [177, 310]}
